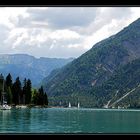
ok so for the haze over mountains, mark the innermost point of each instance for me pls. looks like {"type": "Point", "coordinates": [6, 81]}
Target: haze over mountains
{"type": "Point", "coordinates": [26, 66]}
{"type": "Point", "coordinates": [110, 68]}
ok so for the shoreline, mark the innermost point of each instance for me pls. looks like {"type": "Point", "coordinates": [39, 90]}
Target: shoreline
{"type": "Point", "coordinates": [29, 106]}
{"type": "Point", "coordinates": [45, 106]}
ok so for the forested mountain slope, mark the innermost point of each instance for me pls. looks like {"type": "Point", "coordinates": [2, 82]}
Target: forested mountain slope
{"type": "Point", "coordinates": [94, 68]}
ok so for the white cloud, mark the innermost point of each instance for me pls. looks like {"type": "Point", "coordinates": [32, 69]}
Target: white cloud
{"type": "Point", "coordinates": [64, 34]}
{"type": "Point", "coordinates": [73, 45]}
{"type": "Point", "coordinates": [105, 31]}
{"type": "Point", "coordinates": [8, 16]}
{"type": "Point", "coordinates": [60, 31]}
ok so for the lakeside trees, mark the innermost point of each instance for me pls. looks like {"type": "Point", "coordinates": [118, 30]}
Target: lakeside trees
{"type": "Point", "coordinates": [40, 97]}
{"type": "Point", "coordinates": [22, 93]}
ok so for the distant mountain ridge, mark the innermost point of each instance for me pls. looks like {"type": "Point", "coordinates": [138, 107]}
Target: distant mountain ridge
{"type": "Point", "coordinates": [26, 66]}
{"type": "Point", "coordinates": [81, 79]}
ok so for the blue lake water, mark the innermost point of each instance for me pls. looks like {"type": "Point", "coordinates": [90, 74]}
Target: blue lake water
{"type": "Point", "coordinates": [69, 120]}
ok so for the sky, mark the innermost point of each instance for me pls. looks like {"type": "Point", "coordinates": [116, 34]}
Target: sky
{"type": "Point", "coordinates": [60, 32]}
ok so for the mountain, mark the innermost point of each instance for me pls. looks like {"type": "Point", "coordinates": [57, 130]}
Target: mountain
{"type": "Point", "coordinates": [81, 79]}
{"type": "Point", "coordinates": [123, 80]}
{"type": "Point", "coordinates": [24, 65]}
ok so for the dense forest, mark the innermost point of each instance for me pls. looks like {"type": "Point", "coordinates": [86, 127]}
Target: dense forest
{"type": "Point", "coordinates": [93, 78]}
{"type": "Point", "coordinates": [22, 93]}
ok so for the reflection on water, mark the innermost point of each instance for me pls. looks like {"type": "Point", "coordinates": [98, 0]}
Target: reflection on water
{"type": "Point", "coordinates": [5, 115]}
{"type": "Point", "coordinates": [12, 120]}
{"type": "Point", "coordinates": [64, 120]}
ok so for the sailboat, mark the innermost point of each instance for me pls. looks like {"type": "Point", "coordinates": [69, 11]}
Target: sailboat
{"type": "Point", "coordinates": [4, 105]}
{"type": "Point", "coordinates": [69, 104]}
{"type": "Point", "coordinates": [78, 105]}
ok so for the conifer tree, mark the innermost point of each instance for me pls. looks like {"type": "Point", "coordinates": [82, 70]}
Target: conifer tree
{"type": "Point", "coordinates": [28, 92]}
{"type": "Point", "coordinates": [1, 84]}
{"type": "Point", "coordinates": [9, 95]}
{"type": "Point", "coordinates": [8, 86]}
{"type": "Point", "coordinates": [16, 91]}
{"type": "Point", "coordinates": [35, 97]}
{"type": "Point", "coordinates": [9, 80]}
{"type": "Point", "coordinates": [41, 96]}
{"type": "Point", "coordinates": [45, 99]}
{"type": "Point", "coordinates": [24, 90]}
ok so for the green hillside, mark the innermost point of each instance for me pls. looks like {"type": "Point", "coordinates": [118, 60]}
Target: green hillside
{"type": "Point", "coordinates": [81, 79]}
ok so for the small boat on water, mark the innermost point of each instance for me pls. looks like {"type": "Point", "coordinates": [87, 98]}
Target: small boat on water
{"type": "Point", "coordinates": [69, 105]}
{"type": "Point", "coordinates": [78, 105]}
{"type": "Point", "coordinates": [4, 105]}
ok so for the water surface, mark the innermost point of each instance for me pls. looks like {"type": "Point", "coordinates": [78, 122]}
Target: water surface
{"type": "Point", "coordinates": [69, 120]}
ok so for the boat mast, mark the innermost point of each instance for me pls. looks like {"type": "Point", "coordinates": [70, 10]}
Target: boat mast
{"type": "Point", "coordinates": [78, 102]}
{"type": "Point", "coordinates": [2, 94]}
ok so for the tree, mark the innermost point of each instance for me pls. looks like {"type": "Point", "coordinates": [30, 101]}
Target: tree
{"type": "Point", "coordinates": [1, 84]}
{"type": "Point", "coordinates": [41, 96]}
{"type": "Point", "coordinates": [24, 90]}
{"type": "Point", "coordinates": [9, 95]}
{"type": "Point", "coordinates": [9, 83]}
{"type": "Point", "coordinates": [28, 92]}
{"type": "Point", "coordinates": [45, 99]}
{"type": "Point", "coordinates": [9, 80]}
{"type": "Point", "coordinates": [35, 97]}
{"type": "Point", "coordinates": [16, 91]}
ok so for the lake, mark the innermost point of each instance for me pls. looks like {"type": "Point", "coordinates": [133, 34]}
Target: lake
{"type": "Point", "coordinates": [69, 120]}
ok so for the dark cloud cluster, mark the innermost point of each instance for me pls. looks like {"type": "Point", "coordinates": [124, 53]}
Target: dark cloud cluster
{"type": "Point", "coordinates": [59, 18]}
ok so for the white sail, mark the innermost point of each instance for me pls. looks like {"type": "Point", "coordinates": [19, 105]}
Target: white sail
{"type": "Point", "coordinates": [78, 105]}
{"type": "Point", "coordinates": [69, 104]}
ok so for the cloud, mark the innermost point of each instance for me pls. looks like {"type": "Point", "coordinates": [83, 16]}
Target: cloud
{"type": "Point", "coordinates": [64, 34]}
{"type": "Point", "coordinates": [60, 31]}
{"type": "Point", "coordinates": [4, 30]}
{"type": "Point", "coordinates": [59, 50]}
{"type": "Point", "coordinates": [60, 18]}
{"type": "Point", "coordinates": [105, 16]}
